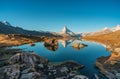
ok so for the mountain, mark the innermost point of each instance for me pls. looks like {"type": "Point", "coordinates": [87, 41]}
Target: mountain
{"type": "Point", "coordinates": [116, 28]}
{"type": "Point", "coordinates": [105, 30]}
{"type": "Point", "coordinates": [6, 23]}
{"type": "Point", "coordinates": [66, 32]}
{"type": "Point", "coordinates": [111, 39]}
{"type": "Point", "coordinates": [7, 28]}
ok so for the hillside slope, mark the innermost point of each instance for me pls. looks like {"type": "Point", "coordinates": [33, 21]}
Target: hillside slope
{"type": "Point", "coordinates": [6, 28]}
{"type": "Point", "coordinates": [112, 39]}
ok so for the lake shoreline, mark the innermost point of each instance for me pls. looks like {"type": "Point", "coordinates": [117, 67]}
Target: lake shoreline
{"type": "Point", "coordinates": [43, 39]}
{"type": "Point", "coordinates": [108, 65]}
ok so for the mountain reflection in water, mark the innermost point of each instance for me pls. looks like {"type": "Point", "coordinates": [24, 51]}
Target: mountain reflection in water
{"type": "Point", "coordinates": [52, 44]}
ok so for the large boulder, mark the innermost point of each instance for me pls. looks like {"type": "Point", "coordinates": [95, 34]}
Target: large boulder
{"type": "Point", "coordinates": [27, 58]}
{"type": "Point", "coordinates": [51, 44]}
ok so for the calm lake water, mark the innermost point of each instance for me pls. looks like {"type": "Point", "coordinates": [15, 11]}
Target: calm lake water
{"type": "Point", "coordinates": [85, 56]}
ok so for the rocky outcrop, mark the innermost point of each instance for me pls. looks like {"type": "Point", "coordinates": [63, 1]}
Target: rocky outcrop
{"type": "Point", "coordinates": [51, 44]}
{"type": "Point", "coordinates": [27, 58]}
{"type": "Point", "coordinates": [78, 46]}
{"type": "Point", "coordinates": [110, 66]}
{"type": "Point", "coordinates": [31, 66]}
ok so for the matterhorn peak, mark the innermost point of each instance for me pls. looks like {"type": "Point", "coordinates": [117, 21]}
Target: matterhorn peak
{"type": "Point", "coordinates": [6, 23]}
{"type": "Point", "coordinates": [65, 30]}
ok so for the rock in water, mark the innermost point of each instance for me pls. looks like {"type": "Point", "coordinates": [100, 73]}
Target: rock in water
{"type": "Point", "coordinates": [78, 46]}
{"type": "Point", "coordinates": [72, 64]}
{"type": "Point", "coordinates": [51, 44]}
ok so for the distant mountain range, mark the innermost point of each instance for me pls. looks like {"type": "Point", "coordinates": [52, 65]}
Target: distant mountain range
{"type": "Point", "coordinates": [105, 30]}
{"type": "Point", "coordinates": [7, 28]}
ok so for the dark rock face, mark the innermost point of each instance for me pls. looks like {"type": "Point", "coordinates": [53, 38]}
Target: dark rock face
{"type": "Point", "coordinates": [51, 44]}
{"type": "Point", "coordinates": [72, 64]}
{"type": "Point", "coordinates": [31, 66]}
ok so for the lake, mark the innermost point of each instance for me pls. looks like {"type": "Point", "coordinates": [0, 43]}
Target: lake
{"type": "Point", "coordinates": [85, 56]}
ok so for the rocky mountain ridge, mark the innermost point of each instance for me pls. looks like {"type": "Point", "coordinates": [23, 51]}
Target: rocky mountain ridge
{"type": "Point", "coordinates": [7, 28]}
{"type": "Point", "coordinates": [105, 30]}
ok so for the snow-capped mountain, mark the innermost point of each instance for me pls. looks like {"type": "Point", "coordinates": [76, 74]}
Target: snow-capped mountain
{"type": "Point", "coordinates": [105, 30]}
{"type": "Point", "coordinates": [6, 23]}
{"type": "Point", "coordinates": [116, 28]}
{"type": "Point", "coordinates": [66, 32]}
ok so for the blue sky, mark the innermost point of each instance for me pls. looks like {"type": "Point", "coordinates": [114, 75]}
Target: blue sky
{"type": "Point", "coordinates": [52, 15]}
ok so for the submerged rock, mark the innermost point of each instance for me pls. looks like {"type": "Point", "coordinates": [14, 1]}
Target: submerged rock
{"type": "Point", "coordinates": [32, 44]}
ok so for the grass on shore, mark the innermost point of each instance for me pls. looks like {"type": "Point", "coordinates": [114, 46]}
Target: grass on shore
{"type": "Point", "coordinates": [15, 40]}
{"type": "Point", "coordinates": [112, 39]}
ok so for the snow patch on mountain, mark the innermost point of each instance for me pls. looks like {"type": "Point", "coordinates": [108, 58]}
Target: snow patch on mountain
{"type": "Point", "coordinates": [6, 23]}
{"type": "Point", "coordinates": [116, 28]}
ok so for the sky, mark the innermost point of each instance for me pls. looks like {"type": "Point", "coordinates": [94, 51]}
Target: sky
{"type": "Point", "coordinates": [53, 15]}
